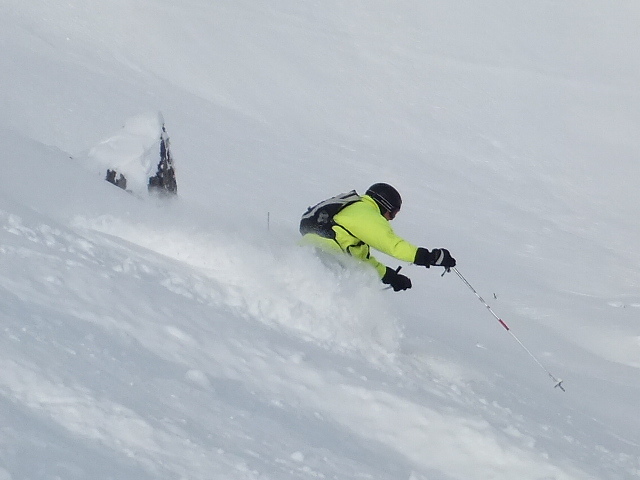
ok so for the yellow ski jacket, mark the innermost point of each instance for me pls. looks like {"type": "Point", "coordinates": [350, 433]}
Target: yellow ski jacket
{"type": "Point", "coordinates": [360, 227]}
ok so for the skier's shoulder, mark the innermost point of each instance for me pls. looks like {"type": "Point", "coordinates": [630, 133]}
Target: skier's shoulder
{"type": "Point", "coordinates": [364, 207]}
{"type": "Point", "coordinates": [361, 214]}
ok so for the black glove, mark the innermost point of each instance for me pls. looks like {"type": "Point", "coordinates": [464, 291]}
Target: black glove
{"type": "Point", "coordinates": [439, 257]}
{"type": "Point", "coordinates": [396, 280]}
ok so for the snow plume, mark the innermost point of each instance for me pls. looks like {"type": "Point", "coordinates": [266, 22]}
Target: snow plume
{"type": "Point", "coordinates": [339, 308]}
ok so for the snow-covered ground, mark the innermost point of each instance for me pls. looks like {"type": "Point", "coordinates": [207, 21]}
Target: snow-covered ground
{"type": "Point", "coordinates": [193, 339]}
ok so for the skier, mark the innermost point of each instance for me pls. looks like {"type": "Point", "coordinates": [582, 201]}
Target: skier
{"type": "Point", "coordinates": [353, 224]}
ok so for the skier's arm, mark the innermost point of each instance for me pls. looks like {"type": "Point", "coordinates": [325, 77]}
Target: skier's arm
{"type": "Point", "coordinates": [377, 233]}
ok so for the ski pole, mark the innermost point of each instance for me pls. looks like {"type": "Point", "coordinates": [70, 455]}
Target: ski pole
{"type": "Point", "coordinates": [557, 381]}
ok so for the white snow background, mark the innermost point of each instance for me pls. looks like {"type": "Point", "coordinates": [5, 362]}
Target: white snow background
{"type": "Point", "coordinates": [193, 339]}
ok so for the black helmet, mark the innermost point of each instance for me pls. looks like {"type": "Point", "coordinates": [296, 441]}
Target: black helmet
{"type": "Point", "coordinates": [387, 197]}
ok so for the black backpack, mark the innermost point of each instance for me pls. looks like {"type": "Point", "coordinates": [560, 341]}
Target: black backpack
{"type": "Point", "coordinates": [319, 218]}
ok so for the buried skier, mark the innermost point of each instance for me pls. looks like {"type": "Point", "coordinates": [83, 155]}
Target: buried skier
{"type": "Point", "coordinates": [353, 224]}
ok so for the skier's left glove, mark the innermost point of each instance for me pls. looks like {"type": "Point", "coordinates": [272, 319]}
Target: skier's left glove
{"type": "Point", "coordinates": [396, 280]}
{"type": "Point", "coordinates": [439, 257]}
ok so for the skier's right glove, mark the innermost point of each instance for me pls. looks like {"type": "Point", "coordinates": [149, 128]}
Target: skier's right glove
{"type": "Point", "coordinates": [396, 280]}
{"type": "Point", "coordinates": [439, 257]}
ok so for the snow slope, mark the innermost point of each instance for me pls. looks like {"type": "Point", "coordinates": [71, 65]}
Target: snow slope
{"type": "Point", "coordinates": [194, 340]}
